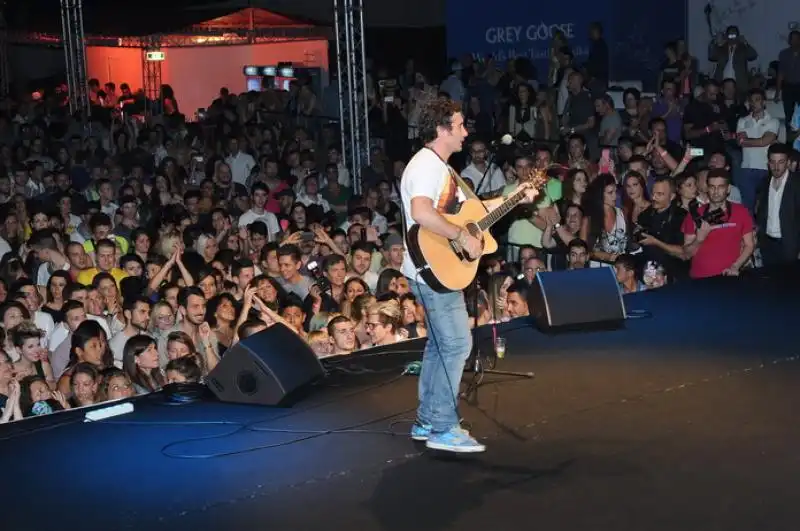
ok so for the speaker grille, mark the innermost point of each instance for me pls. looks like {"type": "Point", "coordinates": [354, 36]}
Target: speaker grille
{"type": "Point", "coordinates": [247, 383]}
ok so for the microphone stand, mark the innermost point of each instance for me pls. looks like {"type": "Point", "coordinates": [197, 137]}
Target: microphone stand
{"type": "Point", "coordinates": [480, 364]}
{"type": "Point", "coordinates": [489, 162]}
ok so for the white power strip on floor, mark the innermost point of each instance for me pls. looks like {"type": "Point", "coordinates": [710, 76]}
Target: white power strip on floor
{"type": "Point", "coordinates": [108, 412]}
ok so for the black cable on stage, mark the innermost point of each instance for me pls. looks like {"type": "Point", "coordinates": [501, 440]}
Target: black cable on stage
{"type": "Point", "coordinates": [238, 427]}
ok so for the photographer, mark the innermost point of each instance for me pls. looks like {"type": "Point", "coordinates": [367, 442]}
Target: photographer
{"type": "Point", "coordinates": [659, 233]}
{"type": "Point", "coordinates": [720, 239]}
{"type": "Point", "coordinates": [731, 52]}
{"type": "Point", "coordinates": [329, 281]}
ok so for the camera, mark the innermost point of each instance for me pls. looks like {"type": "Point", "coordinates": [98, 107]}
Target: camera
{"type": "Point", "coordinates": [387, 88]}
{"type": "Point", "coordinates": [638, 233]}
{"type": "Point", "coordinates": [715, 217]}
{"type": "Point", "coordinates": [319, 279]}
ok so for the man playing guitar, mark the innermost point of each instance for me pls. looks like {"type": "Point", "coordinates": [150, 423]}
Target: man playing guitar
{"type": "Point", "coordinates": [430, 189]}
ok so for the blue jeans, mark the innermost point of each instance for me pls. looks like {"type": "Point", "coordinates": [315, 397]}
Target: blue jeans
{"type": "Point", "coordinates": [749, 182]}
{"type": "Point", "coordinates": [446, 351]}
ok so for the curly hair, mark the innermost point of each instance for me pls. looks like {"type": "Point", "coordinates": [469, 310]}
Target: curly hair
{"type": "Point", "coordinates": [435, 113]}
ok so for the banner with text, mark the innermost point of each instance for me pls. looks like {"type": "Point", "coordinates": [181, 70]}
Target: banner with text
{"type": "Point", "coordinates": [507, 29]}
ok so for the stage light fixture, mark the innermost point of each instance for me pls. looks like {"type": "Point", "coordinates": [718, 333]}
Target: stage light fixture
{"type": "Point", "coordinates": [251, 70]}
{"type": "Point", "coordinates": [286, 69]}
{"type": "Point", "coordinates": [270, 71]}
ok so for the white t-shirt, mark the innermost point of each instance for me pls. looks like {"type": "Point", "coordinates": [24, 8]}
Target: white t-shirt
{"type": "Point", "coordinates": [44, 273]}
{"type": "Point", "coordinates": [755, 158]}
{"type": "Point", "coordinates": [117, 344]}
{"type": "Point", "coordinates": [268, 218]}
{"type": "Point", "coordinates": [5, 248]}
{"type": "Point", "coordinates": [427, 176]}
{"type": "Point", "coordinates": [241, 165]}
{"type": "Point", "coordinates": [494, 180]}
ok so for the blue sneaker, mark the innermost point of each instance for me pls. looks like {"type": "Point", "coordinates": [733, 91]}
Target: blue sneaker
{"type": "Point", "coordinates": [420, 432]}
{"type": "Point", "coordinates": [456, 440]}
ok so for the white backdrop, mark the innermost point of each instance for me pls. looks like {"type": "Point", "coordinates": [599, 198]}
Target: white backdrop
{"type": "Point", "coordinates": [764, 23]}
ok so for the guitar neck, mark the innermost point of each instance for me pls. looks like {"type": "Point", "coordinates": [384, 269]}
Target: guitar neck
{"type": "Point", "coordinates": [497, 214]}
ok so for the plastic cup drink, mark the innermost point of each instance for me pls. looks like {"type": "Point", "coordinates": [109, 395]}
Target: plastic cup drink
{"type": "Point", "coordinates": [500, 347]}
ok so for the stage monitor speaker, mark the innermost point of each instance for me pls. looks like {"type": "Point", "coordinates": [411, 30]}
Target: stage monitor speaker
{"type": "Point", "coordinates": [272, 368]}
{"type": "Point", "coordinates": [581, 299]}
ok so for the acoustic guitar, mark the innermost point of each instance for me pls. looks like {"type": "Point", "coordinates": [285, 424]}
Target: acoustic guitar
{"type": "Point", "coordinates": [442, 263]}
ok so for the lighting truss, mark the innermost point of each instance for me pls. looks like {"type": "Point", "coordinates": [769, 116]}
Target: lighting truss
{"type": "Point", "coordinates": [201, 37]}
{"type": "Point", "coordinates": [72, 37]}
{"type": "Point", "coordinates": [151, 76]}
{"type": "Point", "coordinates": [352, 77]}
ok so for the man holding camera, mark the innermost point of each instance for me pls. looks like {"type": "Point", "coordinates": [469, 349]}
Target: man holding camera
{"type": "Point", "coordinates": [731, 52]}
{"type": "Point", "coordinates": [659, 230]}
{"type": "Point", "coordinates": [720, 239]}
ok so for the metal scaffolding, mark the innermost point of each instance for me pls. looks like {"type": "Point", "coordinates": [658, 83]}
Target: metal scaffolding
{"type": "Point", "coordinates": [72, 37]}
{"type": "Point", "coordinates": [151, 74]}
{"type": "Point", "coordinates": [352, 75]}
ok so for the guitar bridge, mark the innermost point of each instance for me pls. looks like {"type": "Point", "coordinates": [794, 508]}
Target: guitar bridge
{"type": "Point", "coordinates": [459, 251]}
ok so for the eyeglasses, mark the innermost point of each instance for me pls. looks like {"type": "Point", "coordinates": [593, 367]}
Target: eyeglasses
{"type": "Point", "coordinates": [537, 269]}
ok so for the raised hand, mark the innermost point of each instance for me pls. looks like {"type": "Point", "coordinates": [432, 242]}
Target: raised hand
{"type": "Point", "coordinates": [249, 293]}
{"type": "Point", "coordinates": [204, 331]}
{"type": "Point", "coordinates": [59, 396]}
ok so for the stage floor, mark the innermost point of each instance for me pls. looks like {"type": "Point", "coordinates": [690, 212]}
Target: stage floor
{"type": "Point", "coordinates": [680, 421]}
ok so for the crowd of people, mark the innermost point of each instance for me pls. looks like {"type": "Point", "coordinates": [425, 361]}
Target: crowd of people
{"type": "Point", "coordinates": [136, 249]}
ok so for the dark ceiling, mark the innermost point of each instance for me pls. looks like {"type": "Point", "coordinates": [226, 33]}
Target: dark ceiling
{"type": "Point", "coordinates": [116, 17]}
{"type": "Point", "coordinates": [142, 17]}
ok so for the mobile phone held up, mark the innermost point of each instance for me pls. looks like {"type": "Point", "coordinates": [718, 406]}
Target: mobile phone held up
{"type": "Point", "coordinates": [606, 165]}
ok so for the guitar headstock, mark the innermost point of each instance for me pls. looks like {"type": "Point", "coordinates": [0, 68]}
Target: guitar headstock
{"type": "Point", "coordinates": [534, 178]}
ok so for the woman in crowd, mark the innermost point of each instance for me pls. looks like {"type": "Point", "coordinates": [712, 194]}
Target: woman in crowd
{"type": "Point", "coordinates": [686, 198]}
{"type": "Point", "coordinates": [413, 316]}
{"type": "Point", "coordinates": [573, 190]}
{"type": "Point", "coordinates": [115, 386]}
{"type": "Point", "coordinates": [58, 281]}
{"type": "Point", "coordinates": [635, 198]}
{"type": "Point", "coordinates": [606, 231]}
{"type": "Point", "coordinates": [221, 316]}
{"type": "Point", "coordinates": [33, 360]}
{"type": "Point", "coordinates": [84, 384]}
{"type": "Point", "coordinates": [89, 344]}
{"type": "Point", "coordinates": [388, 281]}
{"type": "Point", "coordinates": [141, 364]}
{"type": "Point", "coordinates": [162, 319]}
{"type": "Point", "coordinates": [180, 345]}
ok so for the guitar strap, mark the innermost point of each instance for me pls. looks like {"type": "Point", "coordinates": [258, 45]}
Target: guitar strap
{"type": "Point", "coordinates": [468, 193]}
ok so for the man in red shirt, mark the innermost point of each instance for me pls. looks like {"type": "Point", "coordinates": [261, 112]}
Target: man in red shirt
{"type": "Point", "coordinates": [724, 240]}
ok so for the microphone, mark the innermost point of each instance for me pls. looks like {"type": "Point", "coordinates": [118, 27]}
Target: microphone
{"type": "Point", "coordinates": [505, 140]}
